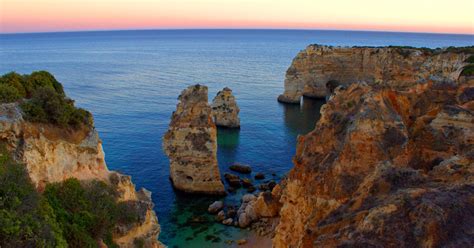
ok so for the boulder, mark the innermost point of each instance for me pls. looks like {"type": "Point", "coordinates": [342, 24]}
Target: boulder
{"type": "Point", "coordinates": [241, 168]}
{"type": "Point", "coordinates": [259, 176]}
{"type": "Point", "coordinates": [228, 221]}
{"type": "Point", "coordinates": [244, 220]}
{"type": "Point", "coordinates": [215, 207]}
{"type": "Point", "coordinates": [248, 198]}
{"type": "Point", "coordinates": [233, 180]}
{"type": "Point", "coordinates": [220, 216]}
{"type": "Point", "coordinates": [191, 145]}
{"type": "Point", "coordinates": [246, 183]}
{"type": "Point", "coordinates": [241, 241]}
{"type": "Point", "coordinates": [251, 189]}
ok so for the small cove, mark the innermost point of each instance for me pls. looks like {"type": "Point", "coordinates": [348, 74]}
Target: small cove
{"type": "Point", "coordinates": [130, 81]}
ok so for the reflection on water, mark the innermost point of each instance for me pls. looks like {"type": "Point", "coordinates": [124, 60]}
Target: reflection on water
{"type": "Point", "coordinates": [228, 137]}
{"type": "Point", "coordinates": [301, 119]}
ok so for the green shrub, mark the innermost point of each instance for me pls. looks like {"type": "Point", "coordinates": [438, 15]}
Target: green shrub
{"type": "Point", "coordinates": [15, 80]}
{"type": "Point", "coordinates": [467, 49]}
{"type": "Point", "coordinates": [470, 59]}
{"type": "Point", "coordinates": [8, 93]}
{"type": "Point", "coordinates": [87, 212]}
{"type": "Point", "coordinates": [45, 99]}
{"type": "Point", "coordinates": [468, 70]}
{"type": "Point", "coordinates": [47, 106]}
{"type": "Point", "coordinates": [67, 214]}
{"type": "Point", "coordinates": [41, 79]}
{"type": "Point", "coordinates": [26, 219]}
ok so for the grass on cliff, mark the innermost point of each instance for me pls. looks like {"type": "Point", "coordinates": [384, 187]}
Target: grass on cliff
{"type": "Point", "coordinates": [42, 99]}
{"type": "Point", "coordinates": [67, 214]}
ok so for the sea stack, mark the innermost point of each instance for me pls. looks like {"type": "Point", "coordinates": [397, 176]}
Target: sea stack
{"type": "Point", "coordinates": [225, 110]}
{"type": "Point", "coordinates": [191, 144]}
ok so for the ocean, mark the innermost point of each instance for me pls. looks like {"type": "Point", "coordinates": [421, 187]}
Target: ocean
{"type": "Point", "coordinates": [130, 81]}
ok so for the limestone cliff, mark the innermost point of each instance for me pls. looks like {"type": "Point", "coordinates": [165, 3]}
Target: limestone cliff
{"type": "Point", "coordinates": [385, 166]}
{"type": "Point", "coordinates": [314, 69]}
{"type": "Point", "coordinates": [225, 110]}
{"type": "Point", "coordinates": [191, 144]}
{"type": "Point", "coordinates": [53, 154]}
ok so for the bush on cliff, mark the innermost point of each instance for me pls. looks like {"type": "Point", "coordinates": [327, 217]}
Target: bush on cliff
{"type": "Point", "coordinates": [87, 212]}
{"type": "Point", "coordinates": [47, 106]}
{"type": "Point", "coordinates": [26, 218]}
{"type": "Point", "coordinates": [67, 214]}
{"type": "Point", "coordinates": [45, 101]}
{"type": "Point", "coordinates": [468, 70]}
{"type": "Point", "coordinates": [8, 93]}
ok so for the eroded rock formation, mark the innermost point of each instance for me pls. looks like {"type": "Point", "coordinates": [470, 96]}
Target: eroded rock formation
{"type": "Point", "coordinates": [315, 70]}
{"type": "Point", "coordinates": [191, 144]}
{"type": "Point", "coordinates": [385, 166]}
{"type": "Point", "coordinates": [53, 154]}
{"type": "Point", "coordinates": [225, 110]}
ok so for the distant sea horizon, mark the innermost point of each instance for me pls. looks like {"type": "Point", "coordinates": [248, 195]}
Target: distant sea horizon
{"type": "Point", "coordinates": [130, 81]}
{"type": "Point", "coordinates": [223, 29]}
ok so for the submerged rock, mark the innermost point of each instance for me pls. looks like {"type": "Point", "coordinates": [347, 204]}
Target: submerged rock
{"type": "Point", "coordinates": [225, 110]}
{"type": "Point", "coordinates": [233, 180]}
{"type": "Point", "coordinates": [246, 183]}
{"type": "Point", "coordinates": [259, 176]}
{"type": "Point", "coordinates": [191, 144]}
{"type": "Point", "coordinates": [241, 168]}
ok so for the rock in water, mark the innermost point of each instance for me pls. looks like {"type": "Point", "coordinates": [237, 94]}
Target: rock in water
{"type": "Point", "coordinates": [225, 110]}
{"type": "Point", "coordinates": [215, 207]}
{"type": "Point", "coordinates": [191, 145]}
{"type": "Point", "coordinates": [242, 168]}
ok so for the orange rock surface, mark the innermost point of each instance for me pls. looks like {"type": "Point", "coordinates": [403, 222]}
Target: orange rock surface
{"type": "Point", "coordinates": [386, 166]}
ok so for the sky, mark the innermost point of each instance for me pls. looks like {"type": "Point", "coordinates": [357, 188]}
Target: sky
{"type": "Point", "coordinates": [433, 16]}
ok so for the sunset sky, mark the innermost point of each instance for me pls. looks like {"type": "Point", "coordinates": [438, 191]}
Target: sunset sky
{"type": "Point", "coordinates": [439, 16]}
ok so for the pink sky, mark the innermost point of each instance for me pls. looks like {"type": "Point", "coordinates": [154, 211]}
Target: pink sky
{"type": "Point", "coordinates": [439, 16]}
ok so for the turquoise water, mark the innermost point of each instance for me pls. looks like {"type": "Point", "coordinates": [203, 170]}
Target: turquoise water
{"type": "Point", "coordinates": [130, 81]}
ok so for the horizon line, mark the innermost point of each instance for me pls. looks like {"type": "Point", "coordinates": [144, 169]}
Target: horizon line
{"type": "Point", "coordinates": [223, 28]}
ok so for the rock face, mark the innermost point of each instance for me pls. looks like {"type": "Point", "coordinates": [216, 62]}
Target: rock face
{"type": "Point", "coordinates": [385, 167]}
{"type": "Point", "coordinates": [317, 69]}
{"type": "Point", "coordinates": [53, 154]}
{"type": "Point", "coordinates": [191, 144]}
{"type": "Point", "coordinates": [225, 110]}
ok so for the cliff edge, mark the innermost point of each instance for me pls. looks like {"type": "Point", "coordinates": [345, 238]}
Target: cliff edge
{"type": "Point", "coordinates": [388, 165]}
{"type": "Point", "coordinates": [318, 69]}
{"type": "Point", "coordinates": [53, 145]}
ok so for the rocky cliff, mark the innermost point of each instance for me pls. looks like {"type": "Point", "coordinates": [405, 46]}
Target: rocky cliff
{"type": "Point", "coordinates": [386, 166]}
{"type": "Point", "coordinates": [191, 144]}
{"type": "Point", "coordinates": [318, 69]}
{"type": "Point", "coordinates": [225, 110]}
{"type": "Point", "coordinates": [54, 154]}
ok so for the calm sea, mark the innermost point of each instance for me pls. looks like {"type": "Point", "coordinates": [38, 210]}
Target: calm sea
{"type": "Point", "coordinates": [130, 81]}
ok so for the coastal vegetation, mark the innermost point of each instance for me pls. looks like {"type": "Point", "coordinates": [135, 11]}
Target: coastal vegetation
{"type": "Point", "coordinates": [468, 70]}
{"type": "Point", "coordinates": [67, 214]}
{"type": "Point", "coordinates": [42, 99]}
